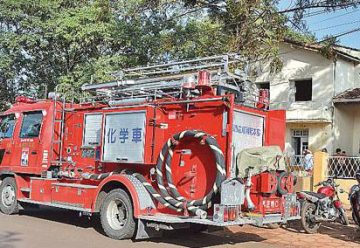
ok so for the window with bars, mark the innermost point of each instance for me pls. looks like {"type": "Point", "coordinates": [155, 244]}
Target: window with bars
{"type": "Point", "coordinates": [300, 132]}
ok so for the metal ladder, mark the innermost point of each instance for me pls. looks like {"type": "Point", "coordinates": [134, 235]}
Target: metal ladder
{"type": "Point", "coordinates": [58, 130]}
{"type": "Point", "coordinates": [167, 79]}
{"type": "Point", "coordinates": [180, 67]}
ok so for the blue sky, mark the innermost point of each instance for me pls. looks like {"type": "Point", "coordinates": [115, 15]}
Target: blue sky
{"type": "Point", "coordinates": [332, 23]}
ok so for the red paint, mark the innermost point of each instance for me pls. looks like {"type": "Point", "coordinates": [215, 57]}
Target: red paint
{"type": "Point", "coordinates": [193, 174]}
{"type": "Point", "coordinates": [327, 190]}
{"type": "Point", "coordinates": [265, 195]}
{"type": "Point", "coordinates": [338, 204]}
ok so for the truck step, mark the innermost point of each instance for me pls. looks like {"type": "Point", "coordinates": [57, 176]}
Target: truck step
{"type": "Point", "coordinates": [56, 205]}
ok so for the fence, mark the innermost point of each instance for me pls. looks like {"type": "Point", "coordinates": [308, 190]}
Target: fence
{"type": "Point", "coordinates": [296, 166]}
{"type": "Point", "coordinates": [343, 166]}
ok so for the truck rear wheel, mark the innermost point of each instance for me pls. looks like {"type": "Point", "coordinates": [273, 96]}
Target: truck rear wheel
{"type": "Point", "coordinates": [8, 200]}
{"type": "Point", "coordinates": [116, 215]}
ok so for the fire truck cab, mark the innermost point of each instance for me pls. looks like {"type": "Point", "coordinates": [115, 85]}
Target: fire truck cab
{"type": "Point", "coordinates": [148, 153]}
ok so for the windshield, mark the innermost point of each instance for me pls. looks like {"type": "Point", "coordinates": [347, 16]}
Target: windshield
{"type": "Point", "coordinates": [7, 124]}
{"type": "Point", "coordinates": [31, 125]}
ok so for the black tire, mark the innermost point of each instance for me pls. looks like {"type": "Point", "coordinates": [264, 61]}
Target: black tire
{"type": "Point", "coordinates": [116, 215]}
{"type": "Point", "coordinates": [355, 218]}
{"type": "Point", "coordinates": [309, 225]}
{"type": "Point", "coordinates": [343, 217]}
{"type": "Point", "coordinates": [8, 200]}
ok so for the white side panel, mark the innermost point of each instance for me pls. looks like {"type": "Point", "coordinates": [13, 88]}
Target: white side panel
{"type": "Point", "coordinates": [247, 131]}
{"type": "Point", "coordinates": [124, 137]}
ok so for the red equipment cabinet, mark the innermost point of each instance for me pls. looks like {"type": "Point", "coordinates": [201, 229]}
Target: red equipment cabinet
{"type": "Point", "coordinates": [169, 157]}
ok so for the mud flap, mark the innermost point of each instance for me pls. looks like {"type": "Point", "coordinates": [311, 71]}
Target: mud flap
{"type": "Point", "coordinates": [145, 232]}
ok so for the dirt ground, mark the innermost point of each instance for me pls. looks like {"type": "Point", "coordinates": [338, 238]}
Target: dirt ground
{"type": "Point", "coordinates": [37, 228]}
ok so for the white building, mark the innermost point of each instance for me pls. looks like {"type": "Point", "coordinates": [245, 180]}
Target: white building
{"type": "Point", "coordinates": [311, 88]}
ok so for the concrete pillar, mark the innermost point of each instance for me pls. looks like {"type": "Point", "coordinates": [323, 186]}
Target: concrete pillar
{"type": "Point", "coordinates": [320, 167]}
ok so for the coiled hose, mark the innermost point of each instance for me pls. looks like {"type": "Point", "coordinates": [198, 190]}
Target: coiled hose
{"type": "Point", "coordinates": [173, 199]}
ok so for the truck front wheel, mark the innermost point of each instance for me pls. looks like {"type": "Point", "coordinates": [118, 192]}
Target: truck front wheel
{"type": "Point", "coordinates": [116, 215]}
{"type": "Point", "coordinates": [8, 200]}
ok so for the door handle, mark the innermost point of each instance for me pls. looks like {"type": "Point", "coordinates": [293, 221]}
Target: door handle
{"type": "Point", "coordinates": [34, 152]}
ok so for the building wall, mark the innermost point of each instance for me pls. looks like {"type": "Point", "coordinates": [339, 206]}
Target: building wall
{"type": "Point", "coordinates": [346, 131]}
{"type": "Point", "coordinates": [329, 127]}
{"type": "Point", "coordinates": [357, 76]}
{"type": "Point", "coordinates": [300, 64]}
{"type": "Point", "coordinates": [320, 135]}
{"type": "Point", "coordinates": [346, 185]}
{"type": "Point", "coordinates": [356, 133]}
{"type": "Point", "coordinates": [344, 76]}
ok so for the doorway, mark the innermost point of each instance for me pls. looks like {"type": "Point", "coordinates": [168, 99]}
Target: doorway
{"type": "Point", "coordinates": [300, 140]}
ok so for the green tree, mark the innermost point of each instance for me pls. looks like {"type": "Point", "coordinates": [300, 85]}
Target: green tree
{"type": "Point", "coordinates": [49, 43]}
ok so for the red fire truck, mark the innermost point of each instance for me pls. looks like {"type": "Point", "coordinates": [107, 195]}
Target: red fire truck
{"type": "Point", "coordinates": [155, 150]}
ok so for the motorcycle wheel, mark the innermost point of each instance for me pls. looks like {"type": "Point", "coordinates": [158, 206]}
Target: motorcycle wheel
{"type": "Point", "coordinates": [308, 209]}
{"type": "Point", "coordinates": [343, 217]}
{"type": "Point", "coordinates": [355, 218]}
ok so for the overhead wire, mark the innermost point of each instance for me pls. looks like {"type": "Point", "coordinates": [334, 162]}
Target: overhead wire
{"type": "Point", "coordinates": [337, 16]}
{"type": "Point", "coordinates": [338, 35]}
{"type": "Point", "coordinates": [338, 25]}
{"type": "Point", "coordinates": [321, 4]}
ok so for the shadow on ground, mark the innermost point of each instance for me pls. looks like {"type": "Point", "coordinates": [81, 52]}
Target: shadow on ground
{"type": "Point", "coordinates": [183, 237]}
{"type": "Point", "coordinates": [179, 237]}
{"type": "Point", "coordinates": [186, 239]}
{"type": "Point", "coordinates": [58, 215]}
{"type": "Point", "coordinates": [7, 239]}
{"type": "Point", "coordinates": [349, 233]}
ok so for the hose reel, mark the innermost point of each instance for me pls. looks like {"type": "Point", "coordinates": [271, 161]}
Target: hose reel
{"type": "Point", "coordinates": [172, 198]}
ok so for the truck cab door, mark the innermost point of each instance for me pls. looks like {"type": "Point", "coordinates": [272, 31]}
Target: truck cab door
{"type": "Point", "coordinates": [7, 126]}
{"type": "Point", "coordinates": [27, 147]}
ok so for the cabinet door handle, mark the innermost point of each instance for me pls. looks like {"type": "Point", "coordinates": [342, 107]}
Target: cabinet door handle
{"type": "Point", "coordinates": [34, 152]}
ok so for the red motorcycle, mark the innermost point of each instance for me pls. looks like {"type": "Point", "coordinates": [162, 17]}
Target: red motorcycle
{"type": "Point", "coordinates": [323, 206]}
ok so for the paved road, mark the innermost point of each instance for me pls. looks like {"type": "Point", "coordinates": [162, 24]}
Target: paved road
{"type": "Point", "coordinates": [55, 229]}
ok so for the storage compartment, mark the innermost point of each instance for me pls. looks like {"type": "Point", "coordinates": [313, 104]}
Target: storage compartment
{"type": "Point", "coordinates": [75, 195]}
{"type": "Point", "coordinates": [265, 182]}
{"type": "Point", "coordinates": [40, 189]}
{"type": "Point", "coordinates": [265, 203]}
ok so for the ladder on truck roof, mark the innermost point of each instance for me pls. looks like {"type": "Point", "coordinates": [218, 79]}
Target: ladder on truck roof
{"type": "Point", "coordinates": [186, 66]}
{"type": "Point", "coordinates": [167, 79]}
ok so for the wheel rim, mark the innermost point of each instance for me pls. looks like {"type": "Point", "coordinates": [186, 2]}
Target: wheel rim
{"type": "Point", "coordinates": [8, 196]}
{"type": "Point", "coordinates": [308, 215]}
{"type": "Point", "coordinates": [117, 214]}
